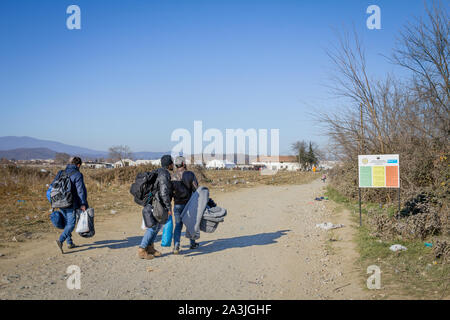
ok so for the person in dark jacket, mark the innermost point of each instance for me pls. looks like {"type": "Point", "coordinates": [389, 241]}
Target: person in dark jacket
{"type": "Point", "coordinates": [163, 186]}
{"type": "Point", "coordinates": [184, 185]}
{"type": "Point", "coordinates": [79, 195]}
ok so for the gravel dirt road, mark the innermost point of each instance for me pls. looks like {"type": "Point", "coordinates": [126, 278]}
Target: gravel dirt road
{"type": "Point", "coordinates": [267, 248]}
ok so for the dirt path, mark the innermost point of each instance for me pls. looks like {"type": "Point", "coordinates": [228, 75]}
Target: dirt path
{"type": "Point", "coordinates": [264, 250]}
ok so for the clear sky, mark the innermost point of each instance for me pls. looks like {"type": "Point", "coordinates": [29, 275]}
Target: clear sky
{"type": "Point", "coordinates": [138, 69]}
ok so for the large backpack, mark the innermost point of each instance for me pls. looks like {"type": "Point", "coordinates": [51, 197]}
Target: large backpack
{"type": "Point", "coordinates": [143, 189]}
{"type": "Point", "coordinates": [61, 193]}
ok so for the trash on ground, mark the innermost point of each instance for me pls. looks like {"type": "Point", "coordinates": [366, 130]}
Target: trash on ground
{"type": "Point", "coordinates": [329, 225]}
{"type": "Point", "coordinates": [397, 247]}
{"type": "Point", "coordinates": [429, 245]}
{"type": "Point", "coordinates": [113, 211]}
{"type": "Point", "coordinates": [318, 199]}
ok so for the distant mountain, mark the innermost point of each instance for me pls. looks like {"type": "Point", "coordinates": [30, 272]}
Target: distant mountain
{"type": "Point", "coordinates": [28, 154]}
{"type": "Point", "coordinates": [10, 143]}
{"type": "Point", "coordinates": [26, 148]}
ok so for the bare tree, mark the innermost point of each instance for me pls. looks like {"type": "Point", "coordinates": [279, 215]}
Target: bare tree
{"type": "Point", "coordinates": [423, 48]}
{"type": "Point", "coordinates": [389, 116]}
{"type": "Point", "coordinates": [120, 153]}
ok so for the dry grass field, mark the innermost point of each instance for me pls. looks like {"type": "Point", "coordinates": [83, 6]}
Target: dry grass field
{"type": "Point", "coordinates": [24, 209]}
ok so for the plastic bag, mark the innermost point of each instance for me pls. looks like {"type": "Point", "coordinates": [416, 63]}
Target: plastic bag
{"type": "Point", "coordinates": [397, 247]}
{"type": "Point", "coordinates": [167, 233]}
{"type": "Point", "coordinates": [49, 190]}
{"type": "Point", "coordinates": [143, 227]}
{"type": "Point", "coordinates": [83, 223]}
{"type": "Point", "coordinates": [91, 232]}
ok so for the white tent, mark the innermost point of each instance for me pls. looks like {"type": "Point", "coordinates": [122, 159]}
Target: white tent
{"type": "Point", "coordinates": [124, 163]}
{"type": "Point", "coordinates": [220, 164]}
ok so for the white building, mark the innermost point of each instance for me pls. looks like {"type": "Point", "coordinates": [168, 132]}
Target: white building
{"type": "Point", "coordinates": [288, 163]}
{"type": "Point", "coordinates": [325, 165]}
{"type": "Point", "coordinates": [125, 163]}
{"type": "Point", "coordinates": [156, 162]}
{"type": "Point", "coordinates": [142, 162]}
{"type": "Point", "coordinates": [99, 165]}
{"type": "Point", "coordinates": [220, 164]}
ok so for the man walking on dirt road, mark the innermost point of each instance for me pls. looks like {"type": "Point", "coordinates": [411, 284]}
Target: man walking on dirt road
{"type": "Point", "coordinates": [184, 184]}
{"type": "Point", "coordinates": [163, 185]}
{"type": "Point", "coordinates": [79, 198]}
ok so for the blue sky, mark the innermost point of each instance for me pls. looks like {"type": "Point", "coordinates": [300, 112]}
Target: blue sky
{"type": "Point", "coordinates": [138, 69]}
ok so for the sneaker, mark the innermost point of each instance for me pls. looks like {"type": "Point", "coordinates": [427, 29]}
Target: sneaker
{"type": "Point", "coordinates": [176, 251]}
{"type": "Point", "coordinates": [72, 246]}
{"type": "Point", "coordinates": [59, 244]}
{"type": "Point", "coordinates": [194, 245]}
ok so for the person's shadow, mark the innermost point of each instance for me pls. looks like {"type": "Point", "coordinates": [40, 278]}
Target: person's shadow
{"type": "Point", "coordinates": [260, 239]}
{"type": "Point", "coordinates": [111, 244]}
{"type": "Point", "coordinates": [206, 247]}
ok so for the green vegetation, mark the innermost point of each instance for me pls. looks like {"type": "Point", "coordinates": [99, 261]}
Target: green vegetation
{"type": "Point", "coordinates": [414, 273]}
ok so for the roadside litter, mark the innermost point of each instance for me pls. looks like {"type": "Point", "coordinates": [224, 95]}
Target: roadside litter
{"type": "Point", "coordinates": [321, 198]}
{"type": "Point", "coordinates": [429, 245]}
{"type": "Point", "coordinates": [329, 226]}
{"type": "Point", "coordinates": [397, 247]}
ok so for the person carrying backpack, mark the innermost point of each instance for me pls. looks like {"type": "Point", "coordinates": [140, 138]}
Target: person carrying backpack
{"type": "Point", "coordinates": [71, 201]}
{"type": "Point", "coordinates": [184, 185]}
{"type": "Point", "coordinates": [163, 188]}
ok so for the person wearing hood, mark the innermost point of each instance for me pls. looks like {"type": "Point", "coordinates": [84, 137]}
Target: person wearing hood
{"type": "Point", "coordinates": [163, 186]}
{"type": "Point", "coordinates": [184, 185]}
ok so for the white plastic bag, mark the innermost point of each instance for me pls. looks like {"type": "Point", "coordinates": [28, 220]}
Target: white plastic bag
{"type": "Point", "coordinates": [143, 227]}
{"type": "Point", "coordinates": [397, 247]}
{"type": "Point", "coordinates": [83, 223]}
{"type": "Point", "coordinates": [329, 226]}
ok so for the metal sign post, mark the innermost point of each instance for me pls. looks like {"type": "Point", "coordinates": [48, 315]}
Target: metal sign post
{"type": "Point", "coordinates": [360, 211]}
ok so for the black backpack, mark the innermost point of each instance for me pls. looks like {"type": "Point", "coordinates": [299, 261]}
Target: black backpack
{"type": "Point", "coordinates": [61, 194]}
{"type": "Point", "coordinates": [181, 190]}
{"type": "Point", "coordinates": [143, 188]}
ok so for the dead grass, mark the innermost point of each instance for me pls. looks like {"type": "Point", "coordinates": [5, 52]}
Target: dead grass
{"type": "Point", "coordinates": [24, 209]}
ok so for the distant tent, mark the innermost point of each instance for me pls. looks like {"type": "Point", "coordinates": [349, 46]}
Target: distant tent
{"type": "Point", "coordinates": [220, 164]}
